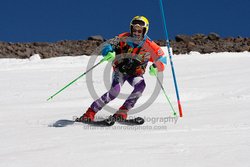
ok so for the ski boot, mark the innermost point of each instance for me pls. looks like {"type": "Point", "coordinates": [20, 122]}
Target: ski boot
{"type": "Point", "coordinates": [121, 114]}
{"type": "Point", "coordinates": [87, 117]}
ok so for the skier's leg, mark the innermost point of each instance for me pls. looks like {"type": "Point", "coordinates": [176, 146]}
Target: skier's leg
{"type": "Point", "coordinates": [117, 82]}
{"type": "Point", "coordinates": [139, 85]}
{"type": "Point", "coordinates": [107, 97]}
{"type": "Point", "coordinates": [98, 104]}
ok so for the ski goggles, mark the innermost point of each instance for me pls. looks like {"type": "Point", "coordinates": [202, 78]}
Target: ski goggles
{"type": "Point", "coordinates": [140, 22]}
{"type": "Point", "coordinates": [135, 30]}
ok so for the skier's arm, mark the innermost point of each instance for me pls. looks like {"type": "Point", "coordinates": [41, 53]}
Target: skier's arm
{"type": "Point", "coordinates": [156, 55]}
{"type": "Point", "coordinates": [158, 58]}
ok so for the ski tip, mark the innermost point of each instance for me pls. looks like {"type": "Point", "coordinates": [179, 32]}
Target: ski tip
{"type": "Point", "coordinates": [139, 120]}
{"type": "Point", "coordinates": [109, 123]}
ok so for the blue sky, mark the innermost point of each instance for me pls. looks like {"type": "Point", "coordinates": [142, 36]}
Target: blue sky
{"type": "Point", "coordinates": [55, 20]}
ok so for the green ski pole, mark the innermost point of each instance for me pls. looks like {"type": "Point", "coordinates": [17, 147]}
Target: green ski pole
{"type": "Point", "coordinates": [166, 95]}
{"type": "Point", "coordinates": [51, 97]}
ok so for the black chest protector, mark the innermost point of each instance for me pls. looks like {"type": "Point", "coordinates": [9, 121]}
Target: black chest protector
{"type": "Point", "coordinates": [128, 66]}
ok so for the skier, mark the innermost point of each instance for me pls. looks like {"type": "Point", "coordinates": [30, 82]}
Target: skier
{"type": "Point", "coordinates": [129, 52]}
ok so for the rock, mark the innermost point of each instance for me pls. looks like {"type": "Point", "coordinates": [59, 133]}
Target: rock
{"type": "Point", "coordinates": [199, 37]}
{"type": "Point", "coordinates": [239, 39]}
{"type": "Point", "coordinates": [21, 54]}
{"type": "Point", "coordinates": [197, 49]}
{"type": "Point", "coordinates": [161, 42]}
{"type": "Point", "coordinates": [9, 48]}
{"type": "Point", "coordinates": [190, 46]}
{"type": "Point", "coordinates": [41, 44]}
{"type": "Point", "coordinates": [229, 39]}
{"type": "Point", "coordinates": [182, 45]}
{"type": "Point", "coordinates": [28, 52]}
{"type": "Point", "coordinates": [213, 36]}
{"type": "Point", "coordinates": [96, 37]}
{"type": "Point", "coordinates": [183, 38]}
{"type": "Point", "coordinates": [208, 50]}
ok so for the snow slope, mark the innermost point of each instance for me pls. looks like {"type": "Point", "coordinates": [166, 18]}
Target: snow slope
{"type": "Point", "coordinates": [215, 129]}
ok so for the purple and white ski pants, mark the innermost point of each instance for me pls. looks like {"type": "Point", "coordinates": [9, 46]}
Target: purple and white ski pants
{"type": "Point", "coordinates": [117, 81]}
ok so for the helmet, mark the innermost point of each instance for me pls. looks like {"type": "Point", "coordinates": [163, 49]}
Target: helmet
{"type": "Point", "coordinates": [142, 22]}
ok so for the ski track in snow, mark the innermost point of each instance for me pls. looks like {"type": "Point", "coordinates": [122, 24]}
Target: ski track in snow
{"type": "Point", "coordinates": [215, 130]}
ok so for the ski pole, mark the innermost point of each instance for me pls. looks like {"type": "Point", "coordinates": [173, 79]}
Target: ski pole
{"type": "Point", "coordinates": [51, 97]}
{"type": "Point", "coordinates": [164, 91]}
{"type": "Point", "coordinates": [170, 58]}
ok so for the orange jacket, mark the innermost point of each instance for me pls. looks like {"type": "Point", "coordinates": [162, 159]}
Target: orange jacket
{"type": "Point", "coordinates": [148, 47]}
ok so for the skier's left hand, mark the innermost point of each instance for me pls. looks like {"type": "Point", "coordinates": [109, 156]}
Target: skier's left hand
{"type": "Point", "coordinates": [153, 70]}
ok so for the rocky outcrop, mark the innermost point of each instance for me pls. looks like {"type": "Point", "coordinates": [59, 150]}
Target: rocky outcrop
{"type": "Point", "coordinates": [207, 44]}
{"type": "Point", "coordinates": [182, 44]}
{"type": "Point", "coordinates": [46, 50]}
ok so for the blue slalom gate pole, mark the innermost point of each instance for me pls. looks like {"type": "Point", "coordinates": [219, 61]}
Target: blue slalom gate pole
{"type": "Point", "coordinates": [170, 58]}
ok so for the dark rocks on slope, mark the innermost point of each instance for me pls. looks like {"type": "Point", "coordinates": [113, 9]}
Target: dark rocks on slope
{"type": "Point", "coordinates": [181, 45]}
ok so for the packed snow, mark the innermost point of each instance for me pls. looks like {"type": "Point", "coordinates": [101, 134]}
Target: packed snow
{"type": "Point", "coordinates": [214, 131]}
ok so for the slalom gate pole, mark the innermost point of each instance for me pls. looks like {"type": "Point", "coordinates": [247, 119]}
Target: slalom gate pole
{"type": "Point", "coordinates": [164, 91]}
{"type": "Point", "coordinates": [170, 58]}
{"type": "Point", "coordinates": [51, 97]}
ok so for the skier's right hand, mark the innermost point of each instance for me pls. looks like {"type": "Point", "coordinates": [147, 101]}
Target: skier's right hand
{"type": "Point", "coordinates": [110, 56]}
{"type": "Point", "coordinates": [108, 53]}
{"type": "Point", "coordinates": [106, 49]}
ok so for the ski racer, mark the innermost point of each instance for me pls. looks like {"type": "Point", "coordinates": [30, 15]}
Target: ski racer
{"type": "Point", "coordinates": [129, 53]}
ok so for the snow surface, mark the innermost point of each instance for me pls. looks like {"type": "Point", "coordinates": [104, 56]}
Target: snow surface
{"type": "Point", "coordinates": [215, 130]}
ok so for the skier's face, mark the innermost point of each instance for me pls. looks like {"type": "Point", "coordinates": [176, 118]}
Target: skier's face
{"type": "Point", "coordinates": [137, 32]}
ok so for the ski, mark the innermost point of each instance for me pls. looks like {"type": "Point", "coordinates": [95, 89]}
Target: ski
{"type": "Point", "coordinates": [133, 121]}
{"type": "Point", "coordinates": [106, 122]}
{"type": "Point", "coordinates": [110, 121]}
